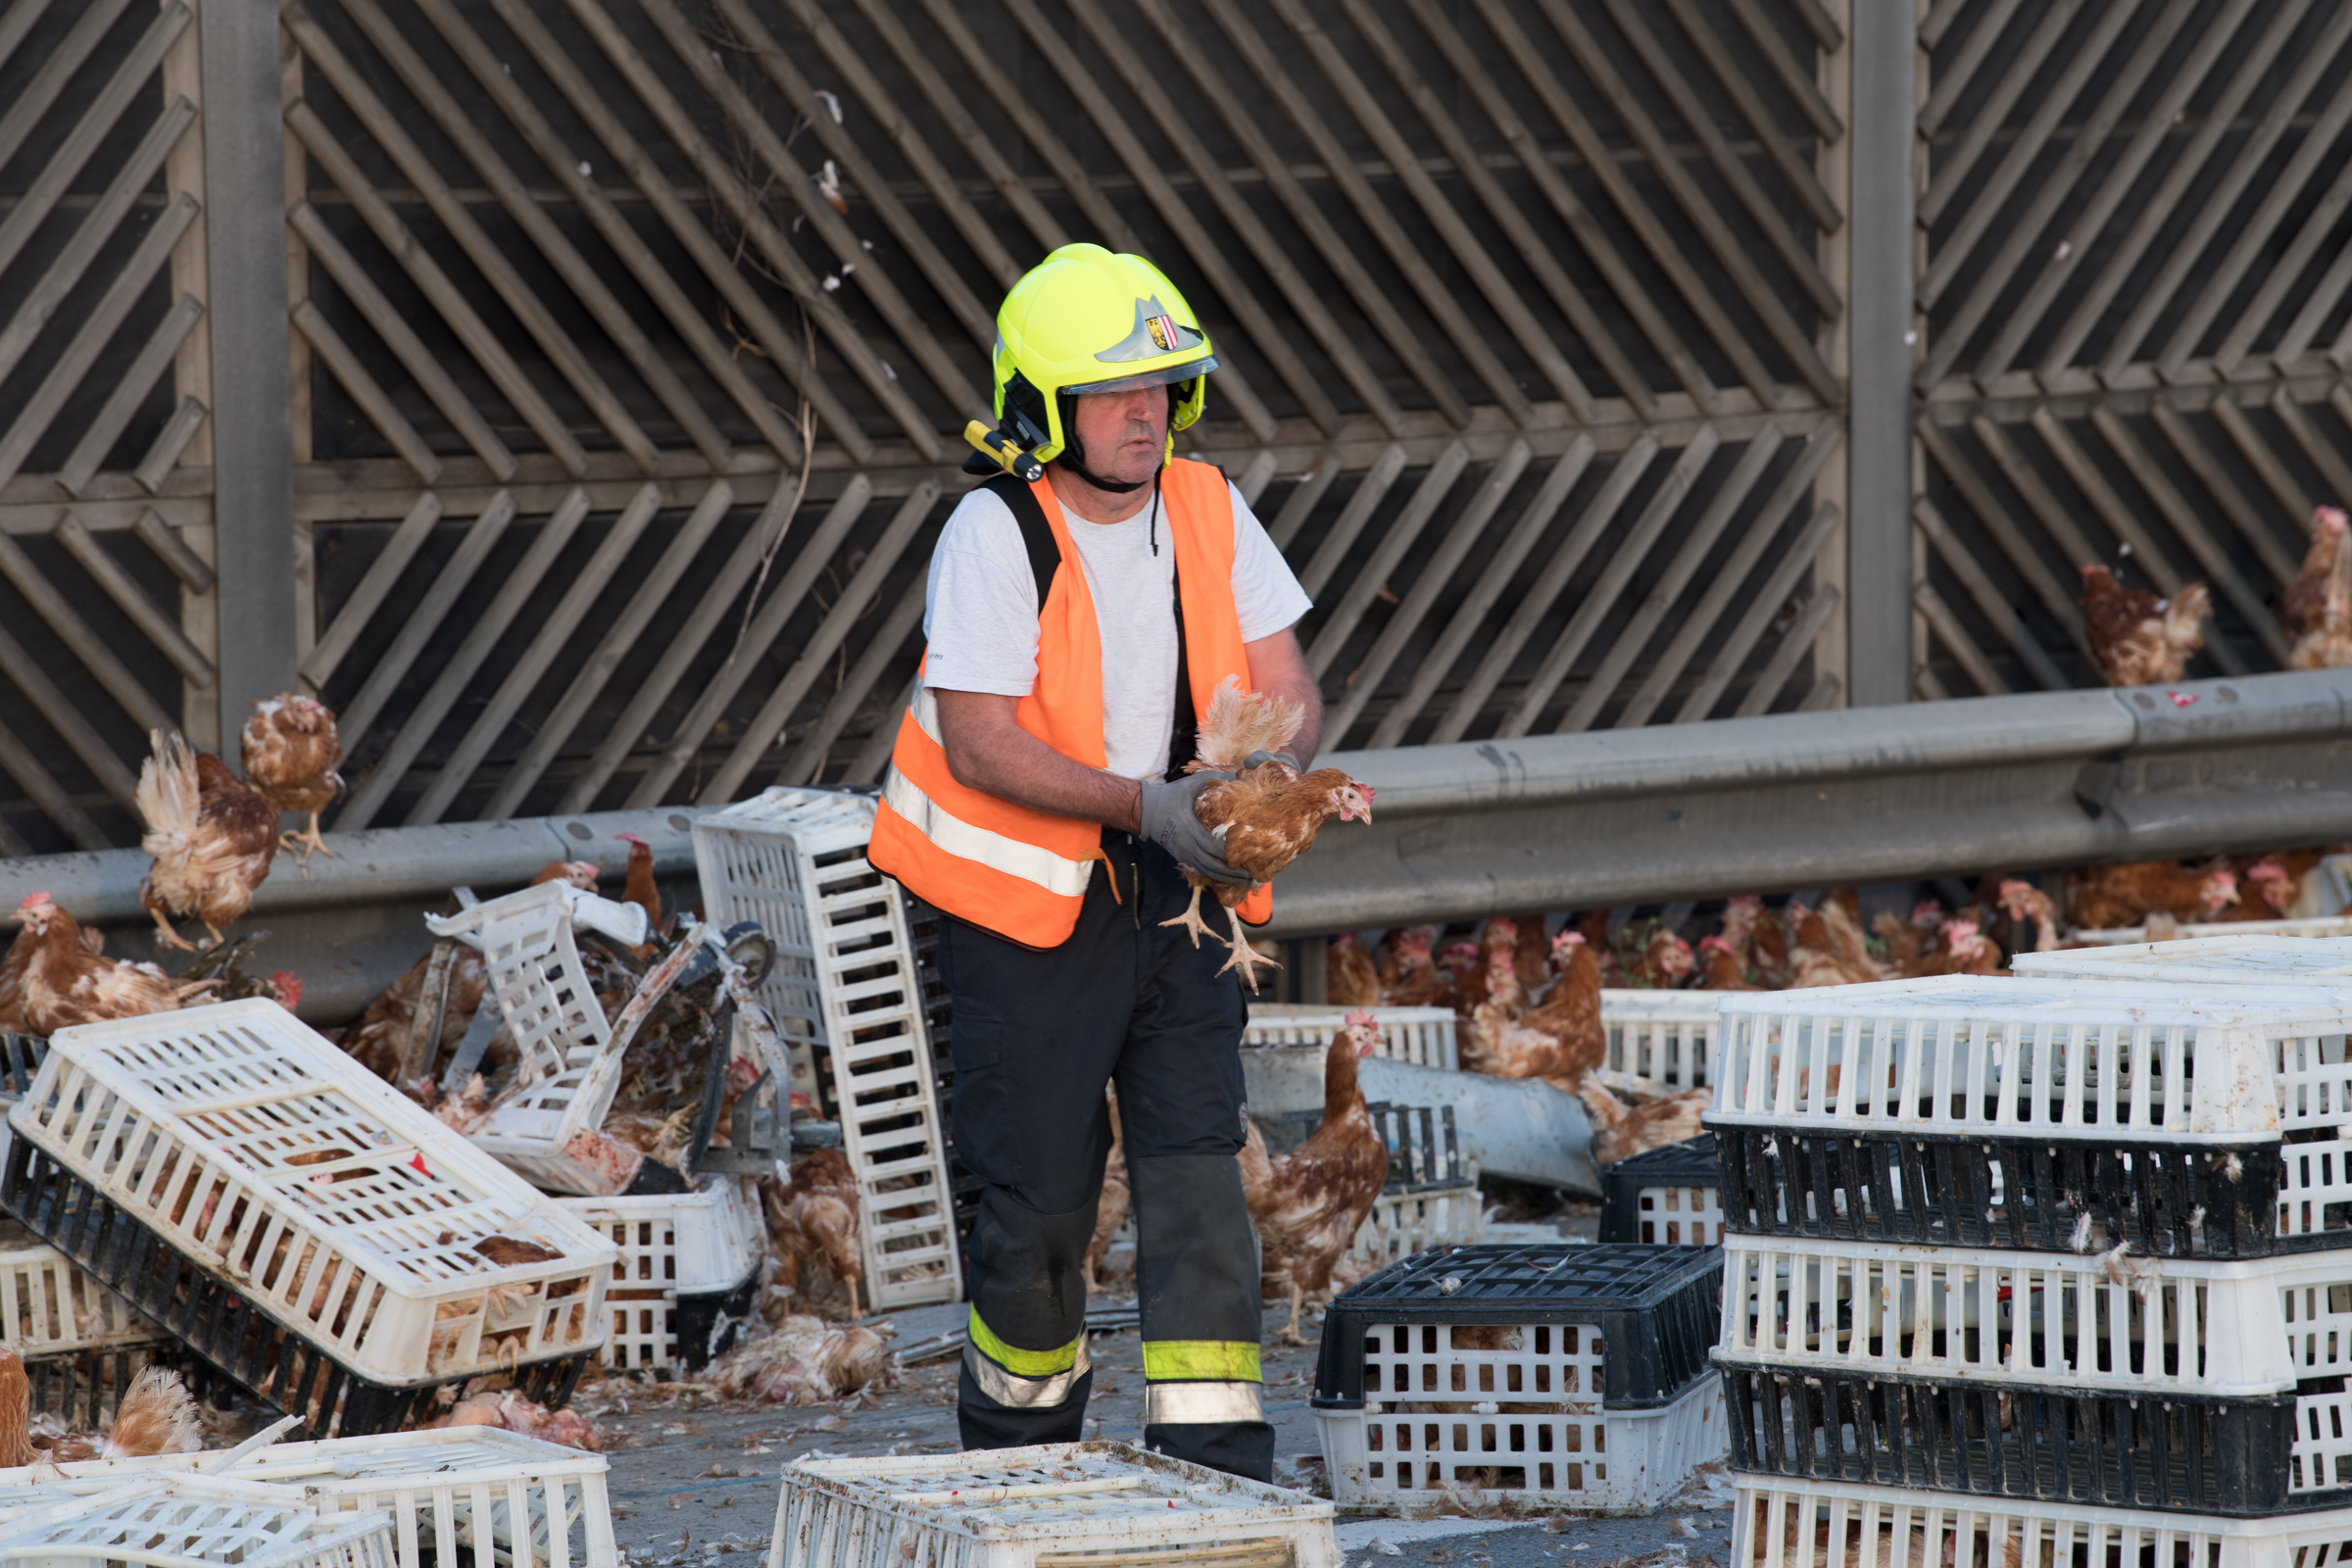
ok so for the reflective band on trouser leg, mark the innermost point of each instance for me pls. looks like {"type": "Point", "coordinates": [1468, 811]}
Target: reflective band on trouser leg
{"type": "Point", "coordinates": [1201, 1403]}
{"type": "Point", "coordinates": [1033, 1380]}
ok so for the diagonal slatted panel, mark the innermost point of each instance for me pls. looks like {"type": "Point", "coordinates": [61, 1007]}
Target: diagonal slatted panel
{"type": "Point", "coordinates": [2135, 304]}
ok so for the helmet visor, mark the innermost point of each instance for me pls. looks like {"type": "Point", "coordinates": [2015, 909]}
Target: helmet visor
{"type": "Point", "coordinates": [1146, 378]}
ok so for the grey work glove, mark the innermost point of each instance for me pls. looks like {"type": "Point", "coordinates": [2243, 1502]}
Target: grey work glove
{"type": "Point", "coordinates": [1259, 759]}
{"type": "Point", "coordinates": [1170, 821]}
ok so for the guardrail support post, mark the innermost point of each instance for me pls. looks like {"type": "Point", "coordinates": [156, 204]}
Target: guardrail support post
{"type": "Point", "coordinates": [1881, 232]}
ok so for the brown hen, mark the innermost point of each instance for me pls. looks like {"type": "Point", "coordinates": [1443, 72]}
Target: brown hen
{"type": "Point", "coordinates": [211, 837]}
{"type": "Point", "coordinates": [290, 751]}
{"type": "Point", "coordinates": [157, 1415]}
{"type": "Point", "coordinates": [1265, 817]}
{"type": "Point", "coordinates": [2102, 897]}
{"type": "Point", "coordinates": [2318, 607]}
{"type": "Point", "coordinates": [65, 983]}
{"type": "Point", "coordinates": [2138, 638]}
{"type": "Point", "coordinates": [1620, 1132]}
{"type": "Point", "coordinates": [1309, 1204]}
{"type": "Point", "coordinates": [1350, 980]}
{"type": "Point", "coordinates": [1562, 1038]}
{"type": "Point", "coordinates": [814, 1220]}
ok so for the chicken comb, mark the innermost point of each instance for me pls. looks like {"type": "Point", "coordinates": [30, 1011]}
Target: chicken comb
{"type": "Point", "coordinates": [1362, 1018]}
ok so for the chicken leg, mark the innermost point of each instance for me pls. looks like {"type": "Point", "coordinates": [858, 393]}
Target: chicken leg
{"type": "Point", "coordinates": [1191, 919]}
{"type": "Point", "coordinates": [1243, 956]}
{"type": "Point", "coordinates": [307, 842]}
{"type": "Point", "coordinates": [1291, 1335]}
{"type": "Point", "coordinates": [168, 937]}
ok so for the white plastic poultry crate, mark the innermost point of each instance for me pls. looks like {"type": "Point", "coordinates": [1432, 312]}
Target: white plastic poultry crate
{"type": "Point", "coordinates": [1065, 1503]}
{"type": "Point", "coordinates": [1665, 1036]}
{"type": "Point", "coordinates": [688, 1268]}
{"type": "Point", "coordinates": [437, 1485]}
{"type": "Point", "coordinates": [1423, 1036]}
{"type": "Point", "coordinates": [845, 964]}
{"type": "Point", "coordinates": [1969, 1055]}
{"type": "Point", "coordinates": [218, 1160]}
{"type": "Point", "coordinates": [1513, 1447]}
{"type": "Point", "coordinates": [183, 1521]}
{"type": "Point", "coordinates": [2138, 1326]}
{"type": "Point", "coordinates": [549, 1126]}
{"type": "Point", "coordinates": [50, 1307]}
{"type": "Point", "coordinates": [2317, 926]}
{"type": "Point", "coordinates": [2241, 958]}
{"type": "Point", "coordinates": [1830, 1524]}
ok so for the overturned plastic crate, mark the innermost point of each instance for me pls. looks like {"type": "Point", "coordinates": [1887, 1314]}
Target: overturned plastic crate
{"type": "Point", "coordinates": [183, 1521]}
{"type": "Point", "coordinates": [1667, 1037]}
{"type": "Point", "coordinates": [311, 1233]}
{"type": "Point", "coordinates": [2300, 929]}
{"type": "Point", "coordinates": [2188, 1121]}
{"type": "Point", "coordinates": [1073, 1502]}
{"type": "Point", "coordinates": [687, 1277]}
{"type": "Point", "coordinates": [845, 978]}
{"type": "Point", "coordinates": [1423, 1036]}
{"type": "Point", "coordinates": [80, 1343]}
{"type": "Point", "coordinates": [2107, 1379]}
{"type": "Point", "coordinates": [1671, 1194]}
{"type": "Point", "coordinates": [1825, 1524]}
{"type": "Point", "coordinates": [451, 1492]}
{"type": "Point", "coordinates": [549, 1126]}
{"type": "Point", "coordinates": [1549, 1375]}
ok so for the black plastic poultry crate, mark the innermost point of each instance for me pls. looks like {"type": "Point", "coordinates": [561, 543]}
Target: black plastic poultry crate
{"type": "Point", "coordinates": [2209, 1456]}
{"type": "Point", "coordinates": [233, 1336]}
{"type": "Point", "coordinates": [1672, 1195]}
{"type": "Point", "coordinates": [1654, 1311]}
{"type": "Point", "coordinates": [710, 1324]}
{"type": "Point", "coordinates": [2047, 1195]}
{"type": "Point", "coordinates": [84, 1387]}
{"type": "Point", "coordinates": [20, 1058]}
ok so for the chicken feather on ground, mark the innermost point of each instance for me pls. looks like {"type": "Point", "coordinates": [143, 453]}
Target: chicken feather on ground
{"type": "Point", "coordinates": [1110, 1209]}
{"type": "Point", "coordinates": [155, 1415]}
{"type": "Point", "coordinates": [1309, 1204]}
{"type": "Point", "coordinates": [289, 750]}
{"type": "Point", "coordinates": [2138, 638]}
{"type": "Point", "coordinates": [1265, 817]}
{"type": "Point", "coordinates": [814, 1221]}
{"type": "Point", "coordinates": [211, 839]}
{"type": "Point", "coordinates": [2318, 606]}
{"type": "Point", "coordinates": [63, 983]}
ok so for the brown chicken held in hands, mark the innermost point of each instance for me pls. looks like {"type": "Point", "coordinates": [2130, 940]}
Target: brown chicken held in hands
{"type": "Point", "coordinates": [814, 1220]}
{"type": "Point", "coordinates": [65, 983]}
{"type": "Point", "coordinates": [212, 838]}
{"type": "Point", "coordinates": [2318, 607]}
{"type": "Point", "coordinates": [1309, 1204]}
{"type": "Point", "coordinates": [2138, 638]}
{"type": "Point", "coordinates": [290, 751]}
{"type": "Point", "coordinates": [1265, 817]}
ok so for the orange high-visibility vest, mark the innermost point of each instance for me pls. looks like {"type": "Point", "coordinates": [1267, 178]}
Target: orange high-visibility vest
{"type": "Point", "coordinates": [1023, 873]}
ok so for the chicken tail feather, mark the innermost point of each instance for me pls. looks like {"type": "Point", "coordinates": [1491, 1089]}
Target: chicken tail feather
{"type": "Point", "coordinates": [167, 795]}
{"type": "Point", "coordinates": [1239, 722]}
{"type": "Point", "coordinates": [157, 1416]}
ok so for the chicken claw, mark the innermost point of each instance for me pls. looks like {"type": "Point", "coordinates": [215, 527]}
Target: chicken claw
{"type": "Point", "coordinates": [308, 842]}
{"type": "Point", "coordinates": [166, 936]}
{"type": "Point", "coordinates": [1191, 919]}
{"type": "Point", "coordinates": [1291, 1335]}
{"type": "Point", "coordinates": [1243, 956]}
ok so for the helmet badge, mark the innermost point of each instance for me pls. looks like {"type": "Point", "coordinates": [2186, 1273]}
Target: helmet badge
{"type": "Point", "coordinates": [1156, 332]}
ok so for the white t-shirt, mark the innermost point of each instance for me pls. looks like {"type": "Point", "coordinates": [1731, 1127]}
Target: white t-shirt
{"type": "Point", "coordinates": [980, 613]}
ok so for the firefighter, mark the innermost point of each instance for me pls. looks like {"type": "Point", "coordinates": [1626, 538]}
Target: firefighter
{"type": "Point", "coordinates": [1075, 626]}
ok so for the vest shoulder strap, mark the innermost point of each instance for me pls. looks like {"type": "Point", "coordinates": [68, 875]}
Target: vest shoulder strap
{"type": "Point", "coordinates": [1037, 534]}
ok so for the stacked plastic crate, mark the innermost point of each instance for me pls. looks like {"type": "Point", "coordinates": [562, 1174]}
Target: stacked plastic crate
{"type": "Point", "coordinates": [2055, 1250]}
{"type": "Point", "coordinates": [844, 987]}
{"type": "Point", "coordinates": [1507, 1377]}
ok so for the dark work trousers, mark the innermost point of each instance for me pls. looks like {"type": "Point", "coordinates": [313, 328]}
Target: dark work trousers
{"type": "Point", "coordinates": [1036, 1034]}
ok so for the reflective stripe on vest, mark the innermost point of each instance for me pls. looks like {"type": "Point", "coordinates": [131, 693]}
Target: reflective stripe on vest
{"type": "Point", "coordinates": [1022, 873]}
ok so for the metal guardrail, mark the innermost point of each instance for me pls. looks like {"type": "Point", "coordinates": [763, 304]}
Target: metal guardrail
{"type": "Point", "coordinates": [1553, 822]}
{"type": "Point", "coordinates": [1849, 796]}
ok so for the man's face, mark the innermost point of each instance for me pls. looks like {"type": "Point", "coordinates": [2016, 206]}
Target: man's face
{"type": "Point", "coordinates": [1124, 434]}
